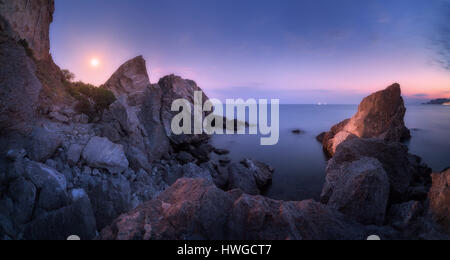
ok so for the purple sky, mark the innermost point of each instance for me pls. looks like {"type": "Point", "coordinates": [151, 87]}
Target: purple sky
{"type": "Point", "coordinates": [302, 51]}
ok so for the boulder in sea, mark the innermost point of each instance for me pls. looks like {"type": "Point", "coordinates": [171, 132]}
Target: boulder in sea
{"type": "Point", "coordinates": [380, 115]}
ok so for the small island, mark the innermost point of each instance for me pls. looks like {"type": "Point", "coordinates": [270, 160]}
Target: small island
{"type": "Point", "coordinates": [439, 101]}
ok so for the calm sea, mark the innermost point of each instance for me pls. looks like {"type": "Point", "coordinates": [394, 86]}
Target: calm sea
{"type": "Point", "coordinates": [299, 161]}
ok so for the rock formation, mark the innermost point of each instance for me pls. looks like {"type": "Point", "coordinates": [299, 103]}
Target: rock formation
{"type": "Point", "coordinates": [380, 115]}
{"type": "Point", "coordinates": [30, 20]}
{"type": "Point", "coordinates": [440, 198]}
{"type": "Point", "coordinates": [63, 173]}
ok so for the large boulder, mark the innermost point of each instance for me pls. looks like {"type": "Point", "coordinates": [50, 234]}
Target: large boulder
{"type": "Point", "coordinates": [380, 115]}
{"type": "Point", "coordinates": [43, 144]}
{"type": "Point", "coordinates": [361, 190]}
{"type": "Point", "coordinates": [440, 198]}
{"type": "Point", "coordinates": [131, 78]}
{"type": "Point", "coordinates": [196, 209]}
{"type": "Point", "coordinates": [173, 88]}
{"type": "Point", "coordinates": [30, 20]}
{"type": "Point", "coordinates": [409, 178]}
{"type": "Point", "coordinates": [102, 153]}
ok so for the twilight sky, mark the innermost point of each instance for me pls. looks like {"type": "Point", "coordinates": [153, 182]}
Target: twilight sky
{"type": "Point", "coordinates": [302, 51]}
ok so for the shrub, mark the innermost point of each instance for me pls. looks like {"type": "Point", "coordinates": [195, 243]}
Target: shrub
{"type": "Point", "coordinates": [27, 48]}
{"type": "Point", "coordinates": [92, 100]}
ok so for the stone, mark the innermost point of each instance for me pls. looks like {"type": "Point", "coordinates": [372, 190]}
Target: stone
{"type": "Point", "coordinates": [130, 78]}
{"type": "Point", "coordinates": [82, 119]}
{"type": "Point", "coordinates": [52, 197]}
{"type": "Point", "coordinates": [59, 117]}
{"type": "Point", "coordinates": [44, 144]}
{"type": "Point", "coordinates": [380, 115]}
{"type": "Point", "coordinates": [16, 154]}
{"type": "Point", "coordinates": [42, 175]}
{"type": "Point", "coordinates": [361, 190]}
{"type": "Point", "coordinates": [242, 178]}
{"type": "Point", "coordinates": [221, 151]}
{"type": "Point", "coordinates": [102, 153]}
{"type": "Point", "coordinates": [190, 170]}
{"type": "Point", "coordinates": [202, 151]}
{"type": "Point", "coordinates": [74, 154]}
{"type": "Point", "coordinates": [440, 199]}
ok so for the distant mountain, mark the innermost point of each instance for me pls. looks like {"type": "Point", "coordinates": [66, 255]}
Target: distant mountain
{"type": "Point", "coordinates": [439, 101]}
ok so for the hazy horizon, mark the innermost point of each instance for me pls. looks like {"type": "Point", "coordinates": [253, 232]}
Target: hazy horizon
{"type": "Point", "coordinates": [301, 52]}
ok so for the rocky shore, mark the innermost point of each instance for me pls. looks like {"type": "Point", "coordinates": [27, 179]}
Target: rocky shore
{"type": "Point", "coordinates": [120, 173]}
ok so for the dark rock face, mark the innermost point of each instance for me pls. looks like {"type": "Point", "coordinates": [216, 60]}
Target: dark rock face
{"type": "Point", "coordinates": [380, 115]}
{"type": "Point", "coordinates": [130, 79]}
{"type": "Point", "coordinates": [440, 199]}
{"type": "Point", "coordinates": [195, 209]}
{"type": "Point", "coordinates": [19, 84]}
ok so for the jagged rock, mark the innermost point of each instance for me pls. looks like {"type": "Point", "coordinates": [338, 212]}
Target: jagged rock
{"type": "Point", "coordinates": [196, 209]}
{"type": "Point", "coordinates": [360, 190]}
{"type": "Point", "coordinates": [102, 153]}
{"type": "Point", "coordinates": [44, 144]}
{"type": "Point", "coordinates": [440, 199]}
{"type": "Point", "coordinates": [405, 171]}
{"type": "Point", "coordinates": [221, 151]}
{"type": "Point", "coordinates": [130, 78]}
{"type": "Point", "coordinates": [75, 219]}
{"type": "Point", "coordinates": [16, 154]}
{"type": "Point", "coordinates": [30, 20]}
{"type": "Point", "coordinates": [202, 151]}
{"type": "Point", "coordinates": [173, 88]}
{"type": "Point", "coordinates": [82, 119]}
{"type": "Point", "coordinates": [249, 176]}
{"type": "Point", "coordinates": [380, 115]}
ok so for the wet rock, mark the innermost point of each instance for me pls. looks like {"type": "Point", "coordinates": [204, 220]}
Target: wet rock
{"type": "Point", "coordinates": [102, 153]}
{"type": "Point", "coordinates": [221, 151]}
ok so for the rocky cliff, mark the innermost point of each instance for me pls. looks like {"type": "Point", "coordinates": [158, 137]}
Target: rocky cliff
{"type": "Point", "coordinates": [30, 20]}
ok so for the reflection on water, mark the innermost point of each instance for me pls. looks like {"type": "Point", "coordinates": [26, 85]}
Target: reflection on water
{"type": "Point", "coordinates": [299, 161]}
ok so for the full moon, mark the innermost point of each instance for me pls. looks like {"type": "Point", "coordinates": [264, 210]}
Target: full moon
{"type": "Point", "coordinates": [95, 62]}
